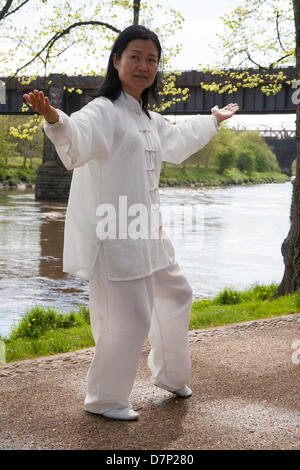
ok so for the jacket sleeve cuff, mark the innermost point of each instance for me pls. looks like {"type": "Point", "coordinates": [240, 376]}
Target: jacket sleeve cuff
{"type": "Point", "coordinates": [58, 125]}
{"type": "Point", "coordinates": [215, 121]}
{"type": "Point", "coordinates": [60, 135]}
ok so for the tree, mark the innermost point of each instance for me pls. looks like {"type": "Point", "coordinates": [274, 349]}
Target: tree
{"type": "Point", "coordinates": [248, 39]}
{"type": "Point", "coordinates": [7, 147]}
{"type": "Point", "coordinates": [291, 245]}
{"type": "Point", "coordinates": [258, 37]}
{"type": "Point", "coordinates": [88, 27]}
{"type": "Point", "coordinates": [44, 42]}
{"type": "Point", "coordinates": [28, 135]}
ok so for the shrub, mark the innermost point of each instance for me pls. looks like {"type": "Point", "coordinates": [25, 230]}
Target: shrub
{"type": "Point", "coordinates": [261, 162]}
{"type": "Point", "coordinates": [35, 322]}
{"type": "Point", "coordinates": [233, 176]}
{"type": "Point", "coordinates": [252, 140]}
{"type": "Point", "coordinates": [246, 161]}
{"type": "Point", "coordinates": [228, 296]}
{"type": "Point", "coordinates": [40, 319]}
{"type": "Point", "coordinates": [22, 174]}
{"type": "Point", "coordinates": [226, 158]}
{"type": "Point", "coordinates": [7, 174]}
{"type": "Point", "coordinates": [262, 292]}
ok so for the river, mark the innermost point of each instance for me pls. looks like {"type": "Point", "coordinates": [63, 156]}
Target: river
{"type": "Point", "coordinates": [234, 240]}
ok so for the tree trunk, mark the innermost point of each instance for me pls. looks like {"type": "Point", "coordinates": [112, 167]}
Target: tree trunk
{"type": "Point", "coordinates": [290, 248]}
{"type": "Point", "coordinates": [136, 11]}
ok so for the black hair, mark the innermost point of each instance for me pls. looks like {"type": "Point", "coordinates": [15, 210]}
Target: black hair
{"type": "Point", "coordinates": [112, 87]}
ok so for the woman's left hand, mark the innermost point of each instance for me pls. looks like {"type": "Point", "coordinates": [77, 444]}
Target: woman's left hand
{"type": "Point", "coordinates": [224, 113]}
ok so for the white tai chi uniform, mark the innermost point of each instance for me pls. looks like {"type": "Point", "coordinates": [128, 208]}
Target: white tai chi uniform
{"type": "Point", "coordinates": [123, 314]}
{"type": "Point", "coordinates": [136, 286]}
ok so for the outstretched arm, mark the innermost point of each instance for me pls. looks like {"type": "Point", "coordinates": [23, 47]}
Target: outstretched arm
{"type": "Point", "coordinates": [180, 141]}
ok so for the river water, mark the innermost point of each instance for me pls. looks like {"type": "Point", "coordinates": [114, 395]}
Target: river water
{"type": "Point", "coordinates": [233, 239]}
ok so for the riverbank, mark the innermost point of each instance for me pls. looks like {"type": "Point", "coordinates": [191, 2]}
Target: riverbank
{"type": "Point", "coordinates": [199, 177]}
{"type": "Point", "coordinates": [18, 177]}
{"type": "Point", "coordinates": [44, 332]}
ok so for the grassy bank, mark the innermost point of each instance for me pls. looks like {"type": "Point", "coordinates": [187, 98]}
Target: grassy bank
{"type": "Point", "coordinates": [230, 157]}
{"type": "Point", "coordinates": [15, 173]}
{"type": "Point", "coordinates": [201, 176]}
{"type": "Point", "coordinates": [42, 332]}
{"type": "Point", "coordinates": [234, 306]}
{"type": "Point", "coordinates": [171, 175]}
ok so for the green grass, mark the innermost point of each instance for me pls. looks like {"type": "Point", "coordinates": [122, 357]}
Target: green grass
{"type": "Point", "coordinates": [235, 306]}
{"type": "Point", "coordinates": [15, 173]}
{"type": "Point", "coordinates": [44, 331]}
{"type": "Point", "coordinates": [51, 342]}
{"type": "Point", "coordinates": [175, 175]}
{"type": "Point", "coordinates": [172, 175]}
{"type": "Point", "coordinates": [39, 320]}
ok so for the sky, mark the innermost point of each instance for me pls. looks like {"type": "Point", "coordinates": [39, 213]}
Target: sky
{"type": "Point", "coordinates": [202, 23]}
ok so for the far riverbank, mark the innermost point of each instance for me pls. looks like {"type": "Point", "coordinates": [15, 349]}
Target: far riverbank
{"type": "Point", "coordinates": [199, 177]}
{"type": "Point", "coordinates": [12, 177]}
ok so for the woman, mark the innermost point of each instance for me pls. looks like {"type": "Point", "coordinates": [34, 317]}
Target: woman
{"type": "Point", "coordinates": [116, 147]}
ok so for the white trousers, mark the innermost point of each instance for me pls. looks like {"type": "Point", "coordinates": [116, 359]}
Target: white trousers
{"type": "Point", "coordinates": [123, 314]}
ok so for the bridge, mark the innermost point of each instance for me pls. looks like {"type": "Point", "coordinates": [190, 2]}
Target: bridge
{"type": "Point", "coordinates": [283, 143]}
{"type": "Point", "coordinates": [250, 100]}
{"type": "Point", "coordinates": [61, 91]}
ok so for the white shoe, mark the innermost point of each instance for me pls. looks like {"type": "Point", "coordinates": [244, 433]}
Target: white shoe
{"type": "Point", "coordinates": [184, 392]}
{"type": "Point", "coordinates": [121, 413]}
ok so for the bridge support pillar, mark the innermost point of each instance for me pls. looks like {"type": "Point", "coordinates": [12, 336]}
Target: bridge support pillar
{"type": "Point", "coordinates": [52, 179]}
{"type": "Point", "coordinates": [285, 151]}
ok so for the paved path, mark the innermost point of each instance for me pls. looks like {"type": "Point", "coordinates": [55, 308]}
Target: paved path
{"type": "Point", "coordinates": [245, 381]}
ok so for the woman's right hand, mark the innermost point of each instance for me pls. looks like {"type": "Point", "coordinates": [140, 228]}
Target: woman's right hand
{"type": "Point", "coordinates": [41, 104]}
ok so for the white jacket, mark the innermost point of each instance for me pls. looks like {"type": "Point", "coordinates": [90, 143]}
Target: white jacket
{"type": "Point", "coordinates": [116, 150]}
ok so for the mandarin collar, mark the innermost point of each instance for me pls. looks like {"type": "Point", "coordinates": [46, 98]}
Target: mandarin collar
{"type": "Point", "coordinates": [131, 102]}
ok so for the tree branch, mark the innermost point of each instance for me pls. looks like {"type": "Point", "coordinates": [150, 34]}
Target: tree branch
{"type": "Point", "coordinates": [5, 9]}
{"type": "Point", "coordinates": [58, 36]}
{"type": "Point", "coordinates": [12, 11]}
{"type": "Point", "coordinates": [251, 60]}
{"type": "Point", "coordinates": [281, 58]}
{"type": "Point", "coordinates": [278, 34]}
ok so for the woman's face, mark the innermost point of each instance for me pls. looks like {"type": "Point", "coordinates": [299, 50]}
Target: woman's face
{"type": "Point", "coordinates": [137, 66]}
